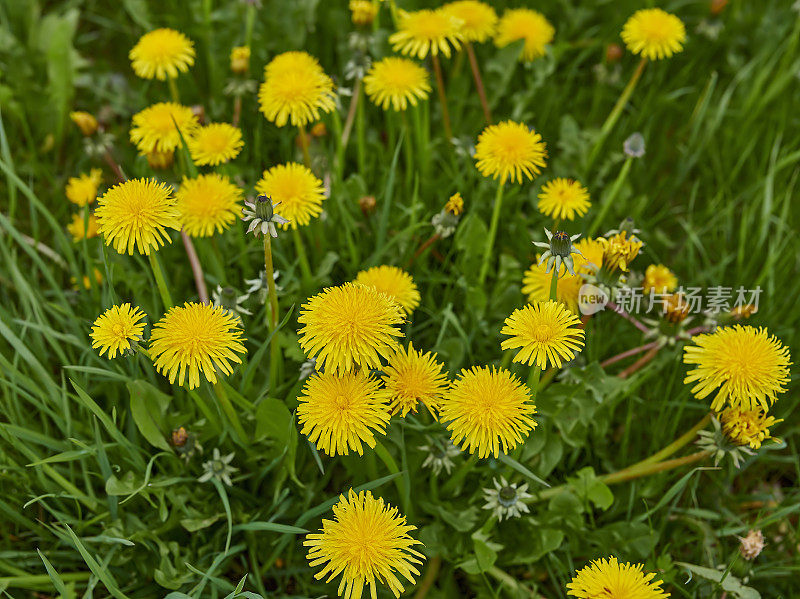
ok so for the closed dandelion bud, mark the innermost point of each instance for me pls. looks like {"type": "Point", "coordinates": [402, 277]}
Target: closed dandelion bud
{"type": "Point", "coordinates": [559, 249]}
{"type": "Point", "coordinates": [179, 437]}
{"type": "Point", "coordinates": [367, 204]}
{"type": "Point", "coordinates": [560, 244]}
{"type": "Point", "coordinates": [240, 59]}
{"type": "Point", "coordinates": [751, 545]}
{"type": "Point", "coordinates": [717, 6]}
{"type": "Point", "coordinates": [613, 53]}
{"type": "Point", "coordinates": [85, 122]}
{"type": "Point", "coordinates": [160, 160]}
{"type": "Point", "coordinates": [264, 209]}
{"type": "Point", "coordinates": [362, 12]}
{"type": "Point", "coordinates": [319, 130]}
{"type": "Point", "coordinates": [676, 308]}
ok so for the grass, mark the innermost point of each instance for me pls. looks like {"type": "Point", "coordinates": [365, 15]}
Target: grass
{"type": "Point", "coordinates": [96, 500]}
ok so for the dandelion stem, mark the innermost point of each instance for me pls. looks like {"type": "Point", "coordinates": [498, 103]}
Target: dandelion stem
{"type": "Point", "coordinates": [613, 116]}
{"type": "Point", "coordinates": [230, 412]}
{"type": "Point", "coordinates": [399, 481]}
{"type": "Point", "coordinates": [237, 111]}
{"type": "Point", "coordinates": [437, 69]}
{"type": "Point", "coordinates": [197, 268]}
{"type": "Point", "coordinates": [161, 283]}
{"type": "Point", "coordinates": [351, 114]}
{"type": "Point", "coordinates": [460, 474]}
{"type": "Point", "coordinates": [634, 321]}
{"type": "Point", "coordinates": [429, 578]}
{"type": "Point", "coordinates": [554, 285]}
{"type": "Point", "coordinates": [305, 269]}
{"type": "Point", "coordinates": [424, 246]}
{"type": "Point", "coordinates": [304, 143]}
{"type": "Point", "coordinates": [361, 134]}
{"type": "Point", "coordinates": [628, 354]}
{"type": "Point", "coordinates": [640, 362]}
{"type": "Point", "coordinates": [173, 90]}
{"type": "Point", "coordinates": [498, 202]}
{"type": "Point", "coordinates": [476, 74]}
{"type": "Point", "coordinates": [533, 379]}
{"type": "Point", "coordinates": [670, 449]}
{"type": "Point", "coordinates": [612, 194]}
{"type": "Point", "coordinates": [272, 315]}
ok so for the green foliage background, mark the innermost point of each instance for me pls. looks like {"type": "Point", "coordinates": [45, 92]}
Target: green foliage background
{"type": "Point", "coordinates": [96, 502]}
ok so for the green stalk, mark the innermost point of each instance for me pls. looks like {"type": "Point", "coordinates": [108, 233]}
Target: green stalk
{"type": "Point", "coordinates": [305, 269]}
{"type": "Point", "coordinates": [554, 285]}
{"type": "Point", "coordinates": [173, 90]}
{"type": "Point", "coordinates": [498, 202]}
{"type": "Point", "coordinates": [272, 315]}
{"type": "Point", "coordinates": [361, 134]}
{"type": "Point", "coordinates": [409, 151]}
{"type": "Point", "coordinates": [399, 481]}
{"type": "Point", "coordinates": [161, 283]}
{"type": "Point", "coordinates": [437, 69]}
{"type": "Point", "coordinates": [460, 474]}
{"type": "Point", "coordinates": [230, 412]}
{"type": "Point", "coordinates": [612, 194]}
{"type": "Point", "coordinates": [670, 449]}
{"type": "Point", "coordinates": [304, 143]}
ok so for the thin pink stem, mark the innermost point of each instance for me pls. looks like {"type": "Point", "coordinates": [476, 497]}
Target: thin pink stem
{"type": "Point", "coordinates": [628, 354]}
{"type": "Point", "coordinates": [627, 317]}
{"type": "Point", "coordinates": [197, 268]}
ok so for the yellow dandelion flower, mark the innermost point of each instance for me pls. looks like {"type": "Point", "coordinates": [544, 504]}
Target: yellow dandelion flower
{"type": "Point", "coordinates": [591, 257]}
{"type": "Point", "coordinates": [426, 31]}
{"type": "Point", "coordinates": [620, 250]}
{"type": "Point", "coordinates": [137, 214]}
{"type": "Point", "coordinates": [208, 204]}
{"type": "Point", "coordinates": [536, 285]}
{"type": "Point", "coordinates": [367, 541]}
{"type": "Point", "coordinates": [341, 412]}
{"type": "Point", "coordinates": [295, 90]}
{"type": "Point", "coordinates": [362, 12]}
{"type": "Point", "coordinates": [654, 34]}
{"type": "Point", "coordinates": [215, 144]}
{"type": "Point", "coordinates": [116, 328]}
{"type": "Point", "coordinates": [545, 332]}
{"type": "Point", "coordinates": [394, 282]}
{"type": "Point", "coordinates": [455, 205]}
{"type": "Point", "coordinates": [510, 150]}
{"type": "Point", "coordinates": [563, 199]}
{"type": "Point", "coordinates": [413, 377]}
{"type": "Point", "coordinates": [240, 59]}
{"type": "Point", "coordinates": [525, 24]}
{"type": "Point", "coordinates": [295, 191]}
{"type": "Point", "coordinates": [487, 411]}
{"type": "Point", "coordinates": [747, 367]}
{"type": "Point", "coordinates": [82, 190]}
{"type": "Point", "coordinates": [607, 578]}
{"type": "Point", "coordinates": [80, 232]}
{"type": "Point", "coordinates": [478, 20]}
{"type": "Point", "coordinates": [85, 122]}
{"type": "Point", "coordinates": [747, 427]}
{"type": "Point", "coordinates": [155, 129]}
{"type": "Point", "coordinates": [196, 338]}
{"type": "Point", "coordinates": [161, 54]}
{"type": "Point", "coordinates": [87, 283]}
{"type": "Point", "coordinates": [659, 278]}
{"type": "Point", "coordinates": [349, 326]}
{"type": "Point", "coordinates": [396, 82]}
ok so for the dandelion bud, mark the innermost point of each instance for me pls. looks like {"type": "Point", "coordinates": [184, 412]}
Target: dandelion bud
{"type": "Point", "coordinates": [634, 146]}
{"type": "Point", "coordinates": [751, 545]}
{"type": "Point", "coordinates": [613, 53]}
{"type": "Point", "coordinates": [319, 130]}
{"type": "Point", "coordinates": [560, 244]}
{"type": "Point", "coordinates": [85, 122]}
{"type": "Point", "coordinates": [264, 209]}
{"type": "Point", "coordinates": [240, 59]}
{"type": "Point", "coordinates": [455, 205]}
{"type": "Point", "coordinates": [717, 6]}
{"type": "Point", "coordinates": [179, 437]}
{"type": "Point", "coordinates": [362, 12]}
{"type": "Point", "coordinates": [367, 204]}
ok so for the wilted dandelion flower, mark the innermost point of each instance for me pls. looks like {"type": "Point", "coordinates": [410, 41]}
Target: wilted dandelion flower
{"type": "Point", "coordinates": [510, 150]}
{"type": "Point", "coordinates": [607, 579]}
{"type": "Point", "coordinates": [367, 541]}
{"type": "Point", "coordinates": [196, 338]}
{"type": "Point", "coordinates": [207, 204]}
{"type": "Point", "coordinates": [395, 283]}
{"type": "Point", "coordinates": [752, 545]}
{"type": "Point", "coordinates": [478, 20]}
{"type": "Point", "coordinates": [156, 128]}
{"type": "Point", "coordinates": [219, 468]}
{"type": "Point", "coordinates": [240, 59]}
{"type": "Point", "coordinates": [339, 413]}
{"type": "Point", "coordinates": [747, 427]}
{"type": "Point", "coordinates": [536, 285]}
{"type": "Point", "coordinates": [85, 122]}
{"type": "Point", "coordinates": [295, 90]}
{"type": "Point", "coordinates": [161, 54]}
{"type": "Point", "coordinates": [747, 367]}
{"type": "Point", "coordinates": [412, 377]}
{"type": "Point", "coordinates": [396, 82]}
{"type": "Point", "coordinates": [659, 278]}
{"type": "Point", "coordinates": [230, 300]}
{"type": "Point", "coordinates": [620, 250]}
{"type": "Point", "coordinates": [455, 204]}
{"type": "Point", "coordinates": [80, 230]}
{"type": "Point", "coordinates": [137, 214]}
{"type": "Point", "coordinates": [487, 411]}
{"type": "Point", "coordinates": [654, 33]}
{"type": "Point", "coordinates": [116, 328]}
{"type": "Point", "coordinates": [525, 24]}
{"type": "Point", "coordinates": [296, 192]}
{"type": "Point", "coordinates": [426, 31]}
{"type": "Point", "coordinates": [545, 332]}
{"type": "Point", "coordinates": [349, 326]}
{"type": "Point", "coordinates": [440, 455]}
{"type": "Point", "coordinates": [675, 307]}
{"type": "Point", "coordinates": [82, 190]}
{"type": "Point", "coordinates": [563, 199]}
{"type": "Point", "coordinates": [215, 144]}
{"type": "Point", "coordinates": [362, 12]}
{"type": "Point", "coordinates": [506, 500]}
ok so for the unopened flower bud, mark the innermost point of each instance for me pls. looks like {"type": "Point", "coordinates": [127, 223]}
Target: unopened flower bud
{"type": "Point", "coordinates": [264, 209]}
